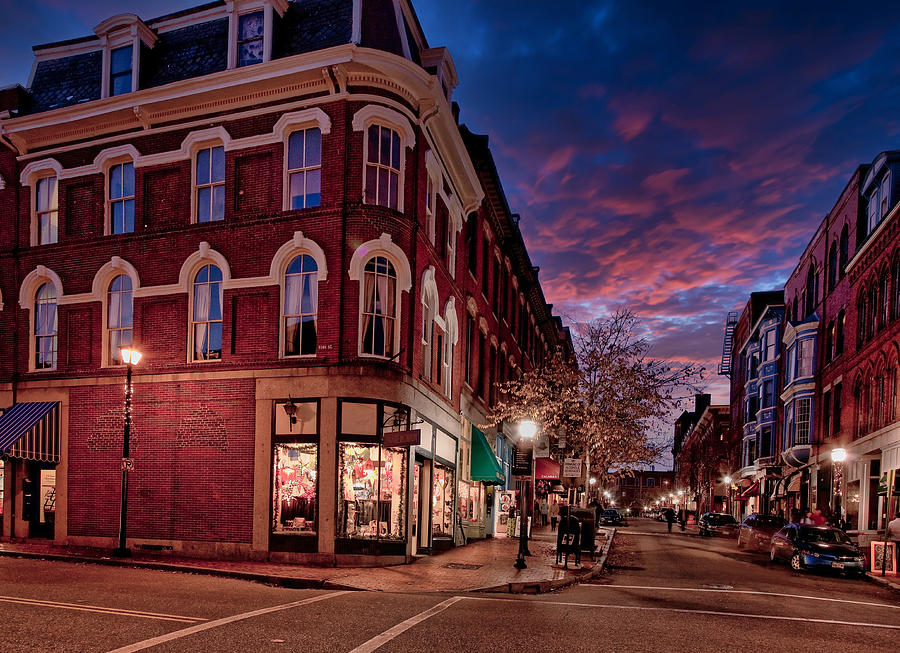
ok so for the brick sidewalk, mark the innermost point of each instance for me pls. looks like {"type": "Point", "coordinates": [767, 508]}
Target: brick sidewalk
{"type": "Point", "coordinates": [483, 565]}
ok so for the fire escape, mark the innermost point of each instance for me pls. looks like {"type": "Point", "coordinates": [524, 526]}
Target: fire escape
{"type": "Point", "coordinates": [730, 323]}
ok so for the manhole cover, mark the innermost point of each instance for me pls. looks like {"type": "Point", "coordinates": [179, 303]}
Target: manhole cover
{"type": "Point", "coordinates": [459, 565]}
{"type": "Point", "coordinates": [717, 587]}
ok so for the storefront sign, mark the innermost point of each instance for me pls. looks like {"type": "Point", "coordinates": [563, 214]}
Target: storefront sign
{"type": "Point", "coordinates": [403, 438]}
{"type": "Point", "coordinates": [542, 446]}
{"type": "Point", "coordinates": [571, 467]}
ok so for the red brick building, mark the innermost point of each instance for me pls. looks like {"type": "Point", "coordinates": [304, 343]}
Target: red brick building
{"type": "Point", "coordinates": [274, 202]}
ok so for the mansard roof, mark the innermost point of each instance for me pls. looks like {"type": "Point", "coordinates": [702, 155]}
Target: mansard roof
{"type": "Point", "coordinates": [194, 42]}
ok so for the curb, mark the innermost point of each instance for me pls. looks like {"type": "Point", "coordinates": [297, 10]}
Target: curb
{"type": "Point", "coordinates": [544, 586]}
{"type": "Point", "coordinates": [289, 582]}
{"type": "Point", "coordinates": [884, 582]}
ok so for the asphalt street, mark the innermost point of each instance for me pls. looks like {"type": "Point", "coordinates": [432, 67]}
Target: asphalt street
{"type": "Point", "coordinates": [660, 592]}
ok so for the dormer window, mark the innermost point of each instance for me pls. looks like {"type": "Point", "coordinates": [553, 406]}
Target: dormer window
{"type": "Point", "coordinates": [120, 70]}
{"type": "Point", "coordinates": [121, 38]}
{"type": "Point", "coordinates": [251, 31]}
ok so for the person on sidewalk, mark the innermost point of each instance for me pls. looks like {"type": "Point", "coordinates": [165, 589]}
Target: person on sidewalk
{"type": "Point", "coordinates": [818, 518]}
{"type": "Point", "coordinates": [670, 518]}
{"type": "Point", "coordinates": [893, 530]}
{"type": "Point", "coordinates": [545, 511]}
{"type": "Point", "coordinates": [554, 515]}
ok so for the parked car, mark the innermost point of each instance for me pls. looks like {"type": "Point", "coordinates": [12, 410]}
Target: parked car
{"type": "Point", "coordinates": [611, 517]}
{"type": "Point", "coordinates": [717, 523]}
{"type": "Point", "coordinates": [807, 547]}
{"type": "Point", "coordinates": [756, 531]}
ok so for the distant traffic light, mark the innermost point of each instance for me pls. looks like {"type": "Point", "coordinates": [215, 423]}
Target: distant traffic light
{"type": "Point", "coordinates": [29, 498]}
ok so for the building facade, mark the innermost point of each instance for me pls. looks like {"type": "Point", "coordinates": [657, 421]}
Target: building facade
{"type": "Point", "coordinates": [275, 203]}
{"type": "Point", "coordinates": [705, 460]}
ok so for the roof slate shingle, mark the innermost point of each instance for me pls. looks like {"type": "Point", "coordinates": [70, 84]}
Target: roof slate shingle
{"type": "Point", "coordinates": [313, 25]}
{"type": "Point", "coordinates": [187, 52]}
{"type": "Point", "coordinates": [66, 81]}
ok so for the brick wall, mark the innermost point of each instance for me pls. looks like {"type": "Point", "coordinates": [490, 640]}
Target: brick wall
{"type": "Point", "coordinates": [192, 443]}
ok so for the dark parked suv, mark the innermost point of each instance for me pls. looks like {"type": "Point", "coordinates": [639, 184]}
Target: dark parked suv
{"type": "Point", "coordinates": [756, 531]}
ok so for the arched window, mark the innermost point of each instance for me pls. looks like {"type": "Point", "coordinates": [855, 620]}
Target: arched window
{"type": "Point", "coordinates": [120, 198]}
{"type": "Point", "coordinates": [206, 322]}
{"type": "Point", "coordinates": [885, 296]}
{"type": "Point", "coordinates": [861, 319]}
{"type": "Point", "coordinates": [832, 266]}
{"type": "Point", "coordinates": [209, 184]}
{"type": "Point", "coordinates": [46, 323]}
{"type": "Point", "coordinates": [119, 317]}
{"type": "Point", "coordinates": [383, 166]}
{"type": "Point", "coordinates": [379, 307]}
{"type": "Point", "coordinates": [810, 293]}
{"type": "Point", "coordinates": [839, 334]}
{"type": "Point", "coordinates": [46, 209]}
{"type": "Point", "coordinates": [895, 284]}
{"type": "Point", "coordinates": [301, 303]}
{"type": "Point", "coordinates": [304, 168]}
{"type": "Point", "coordinates": [844, 251]}
{"type": "Point", "coordinates": [872, 324]}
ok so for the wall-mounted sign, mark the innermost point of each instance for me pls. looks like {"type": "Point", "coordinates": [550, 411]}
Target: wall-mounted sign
{"type": "Point", "coordinates": [571, 467]}
{"type": "Point", "coordinates": [403, 438]}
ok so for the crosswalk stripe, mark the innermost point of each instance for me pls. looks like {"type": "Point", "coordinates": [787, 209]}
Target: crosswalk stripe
{"type": "Point", "coordinates": [98, 608]}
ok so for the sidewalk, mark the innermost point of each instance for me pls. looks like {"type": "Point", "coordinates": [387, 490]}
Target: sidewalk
{"type": "Point", "coordinates": [485, 565]}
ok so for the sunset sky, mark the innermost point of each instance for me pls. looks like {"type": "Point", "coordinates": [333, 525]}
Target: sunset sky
{"type": "Point", "coordinates": [666, 156]}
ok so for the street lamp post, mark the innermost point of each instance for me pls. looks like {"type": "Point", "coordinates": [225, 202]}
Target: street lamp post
{"type": "Point", "coordinates": [527, 430]}
{"type": "Point", "coordinates": [727, 480]}
{"type": "Point", "coordinates": [130, 357]}
{"type": "Point", "coordinates": [838, 456]}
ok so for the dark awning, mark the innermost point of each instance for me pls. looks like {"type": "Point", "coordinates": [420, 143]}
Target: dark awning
{"type": "Point", "coordinates": [30, 431]}
{"type": "Point", "coordinates": [545, 468]}
{"type": "Point", "coordinates": [485, 467]}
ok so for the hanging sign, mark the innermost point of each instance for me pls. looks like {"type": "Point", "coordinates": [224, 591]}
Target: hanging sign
{"type": "Point", "coordinates": [403, 438]}
{"type": "Point", "coordinates": [571, 467]}
{"type": "Point", "coordinates": [542, 446]}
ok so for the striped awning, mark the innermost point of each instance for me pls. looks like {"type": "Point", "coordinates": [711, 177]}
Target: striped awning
{"type": "Point", "coordinates": [30, 431]}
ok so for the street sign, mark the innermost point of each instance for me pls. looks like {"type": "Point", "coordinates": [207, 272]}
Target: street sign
{"type": "Point", "coordinates": [403, 438]}
{"type": "Point", "coordinates": [571, 467]}
{"type": "Point", "coordinates": [127, 464]}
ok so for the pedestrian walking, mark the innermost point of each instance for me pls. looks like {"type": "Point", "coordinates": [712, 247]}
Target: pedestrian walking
{"type": "Point", "coordinates": [554, 515]}
{"type": "Point", "coordinates": [818, 519]}
{"type": "Point", "coordinates": [670, 518]}
{"type": "Point", "coordinates": [545, 511]}
{"type": "Point", "coordinates": [807, 519]}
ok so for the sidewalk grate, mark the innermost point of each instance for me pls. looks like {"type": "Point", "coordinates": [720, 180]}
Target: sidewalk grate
{"type": "Point", "coordinates": [460, 565]}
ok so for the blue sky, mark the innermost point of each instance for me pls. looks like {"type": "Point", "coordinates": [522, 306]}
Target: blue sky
{"type": "Point", "coordinates": [667, 156]}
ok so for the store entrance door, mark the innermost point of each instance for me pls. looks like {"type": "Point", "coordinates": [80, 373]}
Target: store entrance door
{"type": "Point", "coordinates": [40, 509]}
{"type": "Point", "coordinates": [414, 513]}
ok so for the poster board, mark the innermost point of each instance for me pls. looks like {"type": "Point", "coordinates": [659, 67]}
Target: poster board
{"type": "Point", "coordinates": [877, 553]}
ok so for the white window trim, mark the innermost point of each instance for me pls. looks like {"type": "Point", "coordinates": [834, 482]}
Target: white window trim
{"type": "Point", "coordinates": [237, 8]}
{"type": "Point", "coordinates": [451, 340]}
{"type": "Point", "coordinates": [383, 246]}
{"type": "Point", "coordinates": [30, 176]}
{"type": "Point", "coordinates": [297, 246]}
{"type": "Point", "coordinates": [189, 269]}
{"type": "Point", "coordinates": [374, 114]}
{"type": "Point", "coordinates": [192, 145]}
{"type": "Point", "coordinates": [120, 31]}
{"type": "Point", "coordinates": [100, 292]}
{"type": "Point", "coordinates": [104, 162]}
{"type": "Point", "coordinates": [30, 285]}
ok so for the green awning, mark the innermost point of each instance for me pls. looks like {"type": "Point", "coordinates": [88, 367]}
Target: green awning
{"type": "Point", "coordinates": [485, 467]}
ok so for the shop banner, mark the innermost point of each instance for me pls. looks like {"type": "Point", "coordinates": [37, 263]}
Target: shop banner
{"type": "Point", "coordinates": [542, 446]}
{"type": "Point", "coordinates": [571, 468]}
{"type": "Point", "coordinates": [403, 438]}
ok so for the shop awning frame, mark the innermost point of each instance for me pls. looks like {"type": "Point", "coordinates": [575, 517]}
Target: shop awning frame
{"type": "Point", "coordinates": [484, 464]}
{"type": "Point", "coordinates": [30, 431]}
{"type": "Point", "coordinates": [751, 491]}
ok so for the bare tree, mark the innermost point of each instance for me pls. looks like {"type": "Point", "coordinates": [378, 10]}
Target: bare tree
{"type": "Point", "coordinates": [610, 402]}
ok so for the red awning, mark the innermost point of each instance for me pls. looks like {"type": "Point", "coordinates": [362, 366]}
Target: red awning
{"type": "Point", "coordinates": [751, 491]}
{"type": "Point", "coordinates": [546, 468]}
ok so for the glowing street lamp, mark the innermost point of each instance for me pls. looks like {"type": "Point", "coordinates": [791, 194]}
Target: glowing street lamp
{"type": "Point", "coordinates": [838, 456]}
{"type": "Point", "coordinates": [130, 357]}
{"type": "Point", "coordinates": [527, 431]}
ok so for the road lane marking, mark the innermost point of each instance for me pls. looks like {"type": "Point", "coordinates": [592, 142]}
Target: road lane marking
{"type": "Point", "coordinates": [380, 640]}
{"type": "Point", "coordinates": [714, 613]}
{"type": "Point", "coordinates": [756, 592]}
{"type": "Point", "coordinates": [101, 609]}
{"type": "Point", "coordinates": [185, 632]}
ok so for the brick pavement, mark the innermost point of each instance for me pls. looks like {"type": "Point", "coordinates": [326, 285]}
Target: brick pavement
{"type": "Point", "coordinates": [482, 565]}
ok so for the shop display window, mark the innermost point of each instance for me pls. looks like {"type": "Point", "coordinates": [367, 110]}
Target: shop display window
{"type": "Point", "coordinates": [2, 480]}
{"type": "Point", "coordinates": [295, 495]}
{"type": "Point", "coordinates": [469, 503]}
{"type": "Point", "coordinates": [373, 491]}
{"type": "Point", "coordinates": [442, 501]}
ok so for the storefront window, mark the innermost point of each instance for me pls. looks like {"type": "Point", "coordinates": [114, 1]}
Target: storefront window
{"type": "Point", "coordinates": [469, 503]}
{"type": "Point", "coordinates": [295, 499]}
{"type": "Point", "coordinates": [373, 491]}
{"type": "Point", "coordinates": [2, 480]}
{"type": "Point", "coordinates": [442, 502]}
{"type": "Point", "coordinates": [852, 505]}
